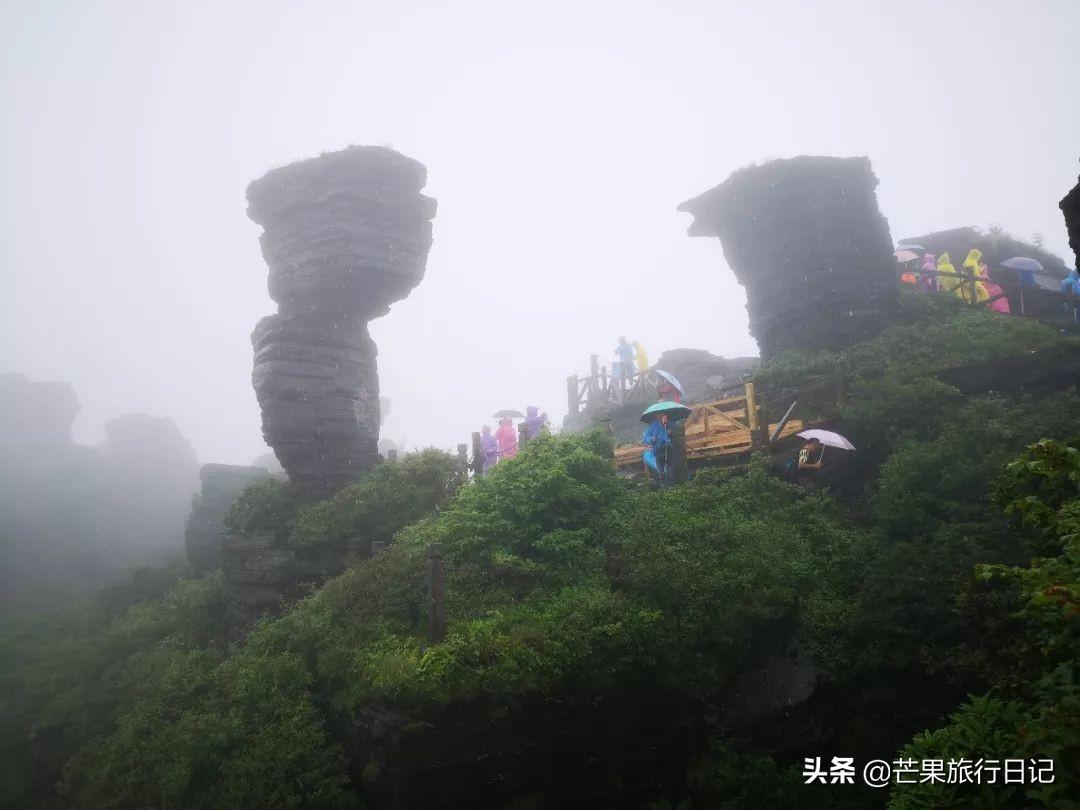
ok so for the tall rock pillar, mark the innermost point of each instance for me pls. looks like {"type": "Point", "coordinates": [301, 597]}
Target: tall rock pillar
{"type": "Point", "coordinates": [345, 235]}
{"type": "Point", "coordinates": [806, 239]}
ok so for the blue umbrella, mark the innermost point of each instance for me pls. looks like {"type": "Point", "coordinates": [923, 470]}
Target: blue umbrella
{"type": "Point", "coordinates": [1022, 263]}
{"type": "Point", "coordinates": [674, 410]}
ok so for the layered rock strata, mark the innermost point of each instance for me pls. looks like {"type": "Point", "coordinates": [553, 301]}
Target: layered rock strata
{"type": "Point", "coordinates": [806, 239]}
{"type": "Point", "coordinates": [345, 235]}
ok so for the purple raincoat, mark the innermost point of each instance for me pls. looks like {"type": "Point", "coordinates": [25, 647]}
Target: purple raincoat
{"type": "Point", "coordinates": [533, 422]}
{"type": "Point", "coordinates": [489, 449]}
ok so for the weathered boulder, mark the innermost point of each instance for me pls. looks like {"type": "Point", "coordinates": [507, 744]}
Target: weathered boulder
{"type": "Point", "coordinates": [346, 234]}
{"type": "Point", "coordinates": [806, 239]}
{"type": "Point", "coordinates": [1070, 209]}
{"type": "Point", "coordinates": [221, 486]}
{"type": "Point", "coordinates": [703, 373]}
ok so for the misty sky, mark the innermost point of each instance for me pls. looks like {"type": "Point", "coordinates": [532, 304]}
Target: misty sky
{"type": "Point", "coordinates": [559, 137]}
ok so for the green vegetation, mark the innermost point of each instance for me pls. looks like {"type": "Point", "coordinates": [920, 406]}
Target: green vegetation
{"type": "Point", "coordinates": [580, 603]}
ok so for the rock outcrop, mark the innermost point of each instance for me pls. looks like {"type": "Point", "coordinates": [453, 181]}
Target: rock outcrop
{"type": "Point", "coordinates": [221, 486]}
{"type": "Point", "coordinates": [1070, 209]}
{"type": "Point", "coordinates": [806, 239]}
{"type": "Point", "coordinates": [703, 373]}
{"type": "Point", "coordinates": [345, 235]}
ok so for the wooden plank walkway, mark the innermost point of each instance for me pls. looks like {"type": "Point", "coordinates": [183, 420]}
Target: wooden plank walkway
{"type": "Point", "coordinates": [717, 428]}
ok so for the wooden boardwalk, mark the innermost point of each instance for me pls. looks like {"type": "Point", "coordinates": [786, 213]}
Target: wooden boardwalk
{"type": "Point", "coordinates": [719, 428]}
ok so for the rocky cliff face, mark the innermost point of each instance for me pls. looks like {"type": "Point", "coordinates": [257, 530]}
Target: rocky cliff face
{"type": "Point", "coordinates": [1070, 209]}
{"type": "Point", "coordinates": [221, 485]}
{"type": "Point", "coordinates": [345, 235]}
{"type": "Point", "coordinates": [807, 241]}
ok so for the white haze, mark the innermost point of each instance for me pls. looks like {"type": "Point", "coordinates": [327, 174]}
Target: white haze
{"type": "Point", "coordinates": [559, 137]}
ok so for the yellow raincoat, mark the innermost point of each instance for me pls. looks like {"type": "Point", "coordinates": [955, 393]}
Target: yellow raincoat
{"type": "Point", "coordinates": [971, 265]}
{"type": "Point", "coordinates": [640, 358]}
{"type": "Point", "coordinates": [947, 284]}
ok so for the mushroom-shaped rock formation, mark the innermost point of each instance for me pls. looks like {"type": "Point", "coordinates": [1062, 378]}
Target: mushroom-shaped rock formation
{"type": "Point", "coordinates": [346, 234]}
{"type": "Point", "coordinates": [806, 239]}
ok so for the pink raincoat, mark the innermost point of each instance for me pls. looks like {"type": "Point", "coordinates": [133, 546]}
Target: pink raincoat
{"type": "Point", "coordinates": [507, 438]}
{"type": "Point", "coordinates": [992, 289]}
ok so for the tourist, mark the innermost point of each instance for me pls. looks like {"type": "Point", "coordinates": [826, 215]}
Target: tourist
{"type": "Point", "coordinates": [949, 283]}
{"type": "Point", "coordinates": [927, 281]}
{"type": "Point", "coordinates": [971, 265]}
{"type": "Point", "coordinates": [1070, 285]}
{"type": "Point", "coordinates": [812, 448]}
{"type": "Point", "coordinates": [640, 358]}
{"type": "Point", "coordinates": [534, 422]}
{"type": "Point", "coordinates": [507, 437]}
{"type": "Point", "coordinates": [489, 449]}
{"type": "Point", "coordinates": [667, 390]}
{"type": "Point", "coordinates": [998, 301]}
{"type": "Point", "coordinates": [657, 440]}
{"type": "Point", "coordinates": [625, 352]}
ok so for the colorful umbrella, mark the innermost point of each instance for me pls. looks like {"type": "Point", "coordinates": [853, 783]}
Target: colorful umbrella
{"type": "Point", "coordinates": [674, 410]}
{"type": "Point", "coordinates": [671, 379]}
{"type": "Point", "coordinates": [828, 438]}
{"type": "Point", "coordinates": [1022, 263]}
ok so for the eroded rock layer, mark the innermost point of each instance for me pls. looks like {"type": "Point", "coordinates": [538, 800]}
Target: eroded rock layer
{"type": "Point", "coordinates": [806, 239]}
{"type": "Point", "coordinates": [345, 235]}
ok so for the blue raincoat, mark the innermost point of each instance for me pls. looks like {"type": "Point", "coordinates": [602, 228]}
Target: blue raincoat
{"type": "Point", "coordinates": [656, 436]}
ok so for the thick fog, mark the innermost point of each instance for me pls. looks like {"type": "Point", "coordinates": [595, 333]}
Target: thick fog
{"type": "Point", "coordinates": [558, 137]}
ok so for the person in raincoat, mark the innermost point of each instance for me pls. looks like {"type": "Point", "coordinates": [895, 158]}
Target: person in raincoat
{"type": "Point", "coordinates": [489, 449]}
{"type": "Point", "coordinates": [667, 391]}
{"type": "Point", "coordinates": [971, 265]}
{"type": "Point", "coordinates": [948, 284]}
{"type": "Point", "coordinates": [1071, 285]}
{"type": "Point", "coordinates": [928, 283]}
{"type": "Point", "coordinates": [1001, 304]}
{"type": "Point", "coordinates": [640, 357]}
{"type": "Point", "coordinates": [625, 352]}
{"type": "Point", "coordinates": [534, 422]}
{"type": "Point", "coordinates": [657, 441]}
{"type": "Point", "coordinates": [507, 437]}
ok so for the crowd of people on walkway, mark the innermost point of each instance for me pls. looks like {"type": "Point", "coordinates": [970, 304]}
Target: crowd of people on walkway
{"type": "Point", "coordinates": [504, 441]}
{"type": "Point", "coordinates": [973, 284]}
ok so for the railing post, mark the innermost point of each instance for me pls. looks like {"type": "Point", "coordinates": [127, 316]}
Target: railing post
{"type": "Point", "coordinates": [594, 381]}
{"type": "Point", "coordinates": [523, 436]}
{"type": "Point", "coordinates": [678, 453]}
{"type": "Point", "coordinates": [477, 455]}
{"type": "Point", "coordinates": [463, 457]}
{"type": "Point", "coordinates": [572, 394]}
{"type": "Point", "coordinates": [436, 590]}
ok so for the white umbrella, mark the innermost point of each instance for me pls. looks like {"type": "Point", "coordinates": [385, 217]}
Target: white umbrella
{"type": "Point", "coordinates": [827, 438]}
{"type": "Point", "coordinates": [671, 379]}
{"type": "Point", "coordinates": [905, 255]}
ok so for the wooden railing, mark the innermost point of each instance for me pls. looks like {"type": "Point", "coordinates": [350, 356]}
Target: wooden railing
{"type": "Point", "coordinates": [598, 388]}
